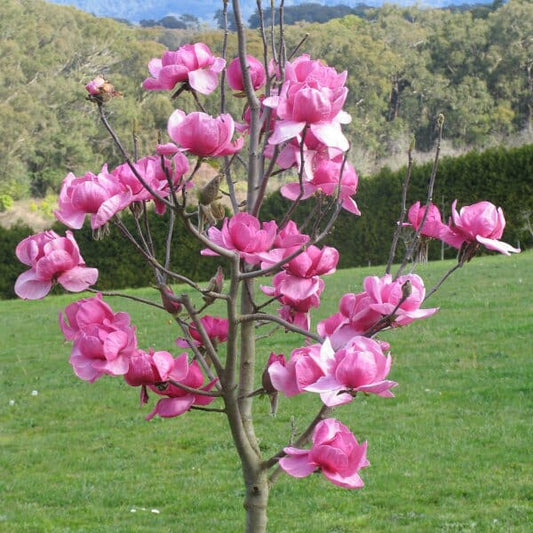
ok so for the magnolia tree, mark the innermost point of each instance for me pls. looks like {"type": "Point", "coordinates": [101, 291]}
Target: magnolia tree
{"type": "Point", "coordinates": [292, 122]}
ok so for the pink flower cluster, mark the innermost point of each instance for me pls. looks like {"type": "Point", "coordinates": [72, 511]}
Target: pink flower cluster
{"type": "Point", "coordinates": [105, 194]}
{"type": "Point", "coordinates": [360, 366]}
{"type": "Point", "coordinates": [51, 258]}
{"type": "Point", "coordinates": [384, 302]}
{"type": "Point", "coordinates": [298, 286]}
{"type": "Point", "coordinates": [309, 115]}
{"type": "Point", "coordinates": [312, 96]}
{"type": "Point", "coordinates": [481, 223]}
{"type": "Point", "coordinates": [335, 452]}
{"type": "Point", "coordinates": [194, 64]}
{"type": "Point", "coordinates": [104, 342]}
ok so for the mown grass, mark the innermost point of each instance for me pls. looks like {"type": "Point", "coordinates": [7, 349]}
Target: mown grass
{"type": "Point", "coordinates": [451, 451]}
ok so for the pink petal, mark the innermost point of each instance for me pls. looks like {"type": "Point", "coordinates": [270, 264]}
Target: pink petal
{"type": "Point", "coordinates": [203, 81]}
{"type": "Point", "coordinates": [170, 407]}
{"type": "Point", "coordinates": [297, 466]}
{"type": "Point", "coordinates": [29, 287]}
{"type": "Point", "coordinates": [78, 279]}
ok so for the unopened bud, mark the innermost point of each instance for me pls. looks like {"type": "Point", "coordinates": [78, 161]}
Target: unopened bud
{"type": "Point", "coordinates": [100, 90]}
{"type": "Point", "coordinates": [407, 289]}
{"type": "Point", "coordinates": [209, 192]}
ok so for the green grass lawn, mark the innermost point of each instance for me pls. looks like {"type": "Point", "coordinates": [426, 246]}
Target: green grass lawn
{"type": "Point", "coordinates": [451, 451]}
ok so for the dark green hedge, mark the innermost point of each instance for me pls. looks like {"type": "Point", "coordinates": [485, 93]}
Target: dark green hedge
{"type": "Point", "coordinates": [501, 176]}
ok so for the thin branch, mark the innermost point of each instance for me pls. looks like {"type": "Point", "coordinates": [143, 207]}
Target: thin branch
{"type": "Point", "coordinates": [431, 184]}
{"type": "Point", "coordinates": [443, 279]}
{"type": "Point", "coordinates": [127, 296]}
{"type": "Point", "coordinates": [252, 317]}
{"type": "Point", "coordinates": [193, 390]}
{"type": "Point", "coordinates": [401, 220]}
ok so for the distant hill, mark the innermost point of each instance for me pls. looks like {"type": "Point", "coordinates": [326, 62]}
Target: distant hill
{"type": "Point", "coordinates": [136, 10]}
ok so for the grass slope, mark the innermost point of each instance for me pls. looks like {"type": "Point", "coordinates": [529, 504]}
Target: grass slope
{"type": "Point", "coordinates": [451, 452]}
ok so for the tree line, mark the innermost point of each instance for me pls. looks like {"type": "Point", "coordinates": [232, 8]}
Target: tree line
{"type": "Point", "coordinates": [406, 65]}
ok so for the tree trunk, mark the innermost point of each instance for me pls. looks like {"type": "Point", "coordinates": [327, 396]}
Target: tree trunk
{"type": "Point", "coordinates": [256, 501]}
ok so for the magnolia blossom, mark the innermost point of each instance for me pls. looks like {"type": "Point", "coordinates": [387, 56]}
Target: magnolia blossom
{"type": "Point", "coordinates": [481, 223]}
{"type": "Point", "coordinates": [178, 400]}
{"type": "Point", "coordinates": [99, 195]}
{"type": "Point", "coordinates": [151, 368]}
{"type": "Point", "coordinates": [215, 327]}
{"type": "Point", "coordinates": [51, 258]}
{"type": "Point", "coordinates": [305, 366]}
{"type": "Point", "coordinates": [191, 63]}
{"type": "Point", "coordinates": [244, 234]}
{"type": "Point", "coordinates": [104, 342]}
{"type": "Point", "coordinates": [384, 302]}
{"type": "Point", "coordinates": [256, 69]}
{"type": "Point", "coordinates": [312, 95]}
{"type": "Point", "coordinates": [298, 287]}
{"type": "Point", "coordinates": [202, 135]}
{"type": "Point", "coordinates": [360, 366]}
{"type": "Point", "coordinates": [296, 296]}
{"type": "Point", "coordinates": [335, 452]}
{"type": "Point", "coordinates": [433, 225]}
{"type": "Point", "coordinates": [86, 312]}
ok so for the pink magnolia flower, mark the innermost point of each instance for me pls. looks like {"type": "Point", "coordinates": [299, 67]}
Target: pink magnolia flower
{"type": "Point", "coordinates": [257, 74]}
{"type": "Point", "coordinates": [104, 342]}
{"type": "Point", "coordinates": [215, 327]}
{"type": "Point", "coordinates": [303, 68]}
{"type": "Point", "coordinates": [399, 300]}
{"type": "Point", "coordinates": [312, 95]}
{"type": "Point", "coordinates": [51, 258]}
{"type": "Point", "coordinates": [152, 368]}
{"type": "Point", "coordinates": [244, 234]}
{"type": "Point", "coordinates": [101, 196]}
{"type": "Point", "coordinates": [433, 225]}
{"type": "Point", "coordinates": [335, 452]}
{"type": "Point", "coordinates": [305, 104]}
{"type": "Point", "coordinates": [287, 241]}
{"type": "Point", "coordinates": [178, 400]}
{"type": "Point", "coordinates": [386, 295]}
{"type": "Point", "coordinates": [360, 366]}
{"type": "Point", "coordinates": [296, 295]}
{"type": "Point", "coordinates": [314, 262]}
{"type": "Point", "coordinates": [305, 366]}
{"type": "Point", "coordinates": [298, 287]}
{"type": "Point", "coordinates": [87, 312]}
{"type": "Point", "coordinates": [203, 135]}
{"type": "Point", "coordinates": [481, 223]}
{"type": "Point", "coordinates": [192, 63]}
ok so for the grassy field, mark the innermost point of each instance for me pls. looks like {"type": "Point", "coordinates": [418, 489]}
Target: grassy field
{"type": "Point", "coordinates": [451, 452]}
